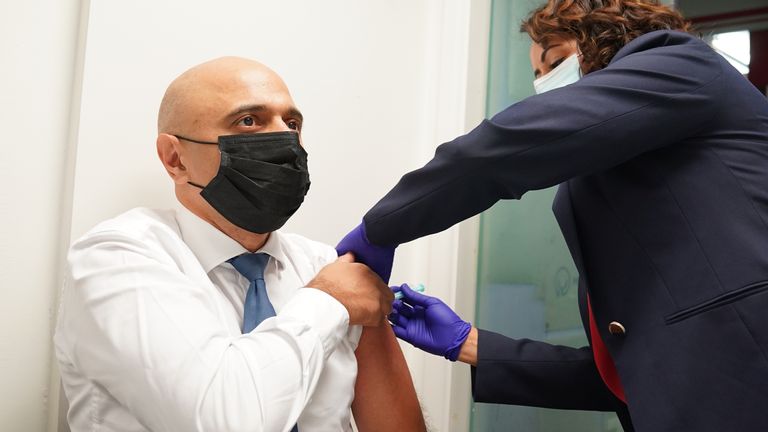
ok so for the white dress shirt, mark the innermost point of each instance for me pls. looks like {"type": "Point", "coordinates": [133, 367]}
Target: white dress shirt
{"type": "Point", "coordinates": [149, 333]}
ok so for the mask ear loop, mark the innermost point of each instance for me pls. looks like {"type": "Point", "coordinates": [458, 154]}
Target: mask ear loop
{"type": "Point", "coordinates": [195, 141]}
{"type": "Point", "coordinates": [579, 57]}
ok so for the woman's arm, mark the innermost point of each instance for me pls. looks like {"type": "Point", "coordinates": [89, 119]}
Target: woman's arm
{"type": "Point", "coordinates": [468, 353]}
{"type": "Point", "coordinates": [385, 399]}
{"type": "Point", "coordinates": [533, 373]}
{"type": "Point", "coordinates": [663, 89]}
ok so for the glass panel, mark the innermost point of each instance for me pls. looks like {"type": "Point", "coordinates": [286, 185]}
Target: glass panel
{"type": "Point", "coordinates": [527, 281]}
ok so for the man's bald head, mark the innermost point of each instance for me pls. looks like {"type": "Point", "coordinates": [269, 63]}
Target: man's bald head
{"type": "Point", "coordinates": [194, 94]}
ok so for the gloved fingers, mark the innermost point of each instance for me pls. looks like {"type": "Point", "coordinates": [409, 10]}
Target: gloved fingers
{"type": "Point", "coordinates": [416, 298]}
{"type": "Point", "coordinates": [400, 332]}
{"type": "Point", "coordinates": [399, 289]}
{"type": "Point", "coordinates": [352, 241]}
{"type": "Point", "coordinates": [402, 308]}
{"type": "Point", "coordinates": [395, 290]}
{"type": "Point", "coordinates": [377, 257]}
{"type": "Point", "coordinates": [398, 320]}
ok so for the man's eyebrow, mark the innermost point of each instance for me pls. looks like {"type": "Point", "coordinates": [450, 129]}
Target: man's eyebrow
{"type": "Point", "coordinates": [544, 53]}
{"type": "Point", "coordinates": [292, 111]}
{"type": "Point", "coordinates": [242, 109]}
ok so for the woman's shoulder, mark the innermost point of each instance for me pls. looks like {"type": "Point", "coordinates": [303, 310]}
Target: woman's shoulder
{"type": "Point", "coordinates": [664, 40]}
{"type": "Point", "coordinates": [670, 53]}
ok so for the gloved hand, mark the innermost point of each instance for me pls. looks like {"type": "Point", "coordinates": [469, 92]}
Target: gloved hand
{"type": "Point", "coordinates": [378, 258]}
{"type": "Point", "coordinates": [428, 324]}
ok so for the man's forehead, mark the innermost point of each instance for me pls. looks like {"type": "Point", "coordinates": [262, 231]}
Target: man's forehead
{"type": "Point", "coordinates": [237, 84]}
{"type": "Point", "coordinates": [221, 88]}
{"type": "Point", "coordinates": [248, 93]}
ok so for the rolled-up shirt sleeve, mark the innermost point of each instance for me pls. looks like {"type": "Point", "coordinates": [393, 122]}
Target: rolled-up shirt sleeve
{"type": "Point", "coordinates": [153, 338]}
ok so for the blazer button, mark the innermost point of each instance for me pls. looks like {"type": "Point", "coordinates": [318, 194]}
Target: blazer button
{"type": "Point", "coordinates": [616, 328]}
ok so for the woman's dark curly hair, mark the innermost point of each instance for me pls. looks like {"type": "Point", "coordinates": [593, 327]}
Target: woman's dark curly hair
{"type": "Point", "coordinates": [600, 27]}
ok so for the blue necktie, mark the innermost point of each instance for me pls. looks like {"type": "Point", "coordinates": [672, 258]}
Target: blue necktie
{"type": "Point", "coordinates": [257, 304]}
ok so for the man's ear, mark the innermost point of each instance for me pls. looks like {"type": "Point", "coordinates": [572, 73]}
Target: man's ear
{"type": "Point", "coordinates": [168, 149]}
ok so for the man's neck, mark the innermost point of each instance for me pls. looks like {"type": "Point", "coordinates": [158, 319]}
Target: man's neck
{"type": "Point", "coordinates": [250, 241]}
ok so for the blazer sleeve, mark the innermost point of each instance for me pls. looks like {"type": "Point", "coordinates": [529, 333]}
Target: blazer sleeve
{"type": "Point", "coordinates": [659, 91]}
{"type": "Point", "coordinates": [526, 372]}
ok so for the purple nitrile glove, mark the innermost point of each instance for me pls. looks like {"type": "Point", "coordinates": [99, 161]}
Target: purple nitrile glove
{"type": "Point", "coordinates": [378, 258]}
{"type": "Point", "coordinates": [428, 324]}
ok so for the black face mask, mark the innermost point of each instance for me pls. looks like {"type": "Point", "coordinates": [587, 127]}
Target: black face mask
{"type": "Point", "coordinates": [262, 179]}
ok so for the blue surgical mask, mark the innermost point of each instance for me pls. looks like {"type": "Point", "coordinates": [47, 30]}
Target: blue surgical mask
{"type": "Point", "coordinates": [567, 72]}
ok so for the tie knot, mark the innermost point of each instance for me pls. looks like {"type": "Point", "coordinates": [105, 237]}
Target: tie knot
{"type": "Point", "coordinates": [250, 265]}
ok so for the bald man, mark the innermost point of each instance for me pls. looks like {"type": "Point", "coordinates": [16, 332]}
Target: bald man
{"type": "Point", "coordinates": [206, 317]}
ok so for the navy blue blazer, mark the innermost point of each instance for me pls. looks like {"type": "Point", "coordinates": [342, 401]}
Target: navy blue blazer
{"type": "Point", "coordinates": [662, 161]}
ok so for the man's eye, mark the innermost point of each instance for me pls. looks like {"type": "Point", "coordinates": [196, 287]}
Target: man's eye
{"type": "Point", "coordinates": [293, 124]}
{"type": "Point", "coordinates": [557, 62]}
{"type": "Point", "coordinates": [247, 121]}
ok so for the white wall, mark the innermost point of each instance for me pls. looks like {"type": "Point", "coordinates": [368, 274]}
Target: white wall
{"type": "Point", "coordinates": [37, 54]}
{"type": "Point", "coordinates": [380, 83]}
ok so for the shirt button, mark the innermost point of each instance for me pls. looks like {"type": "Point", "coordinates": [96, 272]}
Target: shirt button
{"type": "Point", "coordinates": [616, 328]}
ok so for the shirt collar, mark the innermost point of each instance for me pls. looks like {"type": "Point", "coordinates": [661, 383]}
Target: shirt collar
{"type": "Point", "coordinates": [212, 247]}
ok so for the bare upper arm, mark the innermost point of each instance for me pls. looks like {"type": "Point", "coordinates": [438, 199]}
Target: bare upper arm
{"type": "Point", "coordinates": [385, 399]}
